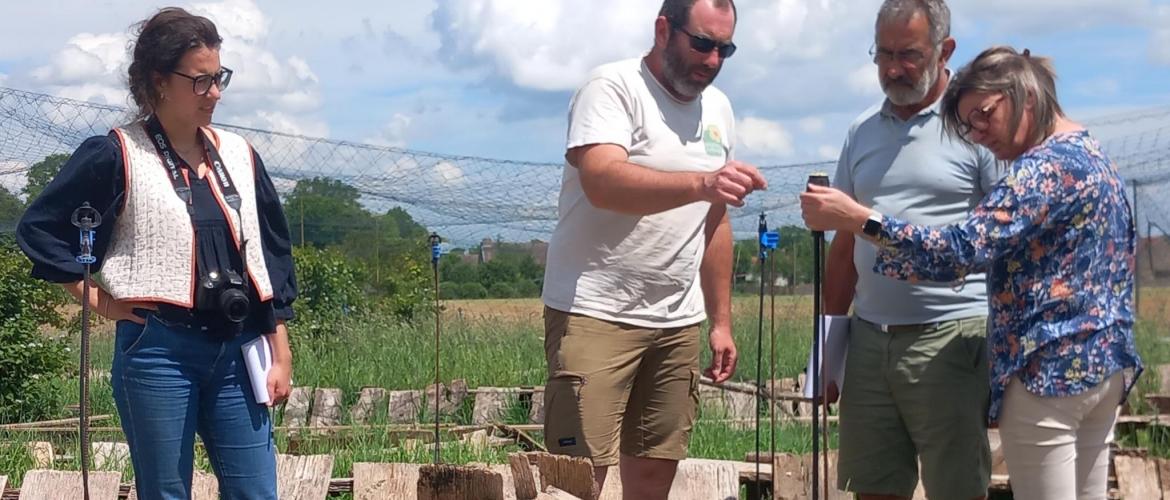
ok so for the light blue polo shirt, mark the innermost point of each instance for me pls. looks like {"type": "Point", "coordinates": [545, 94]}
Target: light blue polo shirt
{"type": "Point", "coordinates": [913, 171]}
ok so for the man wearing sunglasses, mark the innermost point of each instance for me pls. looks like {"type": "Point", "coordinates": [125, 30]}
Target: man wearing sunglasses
{"type": "Point", "coordinates": [641, 254]}
{"type": "Point", "coordinates": [916, 387]}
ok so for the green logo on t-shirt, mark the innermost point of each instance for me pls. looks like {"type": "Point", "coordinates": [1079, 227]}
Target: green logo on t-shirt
{"type": "Point", "coordinates": [713, 140]}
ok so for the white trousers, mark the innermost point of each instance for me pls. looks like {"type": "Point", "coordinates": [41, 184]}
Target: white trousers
{"type": "Point", "coordinates": [1057, 448]}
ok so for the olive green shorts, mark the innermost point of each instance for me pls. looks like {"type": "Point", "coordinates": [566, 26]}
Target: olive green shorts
{"type": "Point", "coordinates": [916, 394]}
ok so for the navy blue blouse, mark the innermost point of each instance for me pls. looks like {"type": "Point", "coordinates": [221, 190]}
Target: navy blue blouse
{"type": "Point", "coordinates": [95, 174]}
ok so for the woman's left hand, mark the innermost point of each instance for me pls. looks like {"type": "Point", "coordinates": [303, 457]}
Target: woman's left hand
{"type": "Point", "coordinates": [279, 381]}
{"type": "Point", "coordinates": [828, 209]}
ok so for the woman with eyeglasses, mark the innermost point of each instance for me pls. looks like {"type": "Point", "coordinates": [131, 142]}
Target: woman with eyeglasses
{"type": "Point", "coordinates": [195, 262]}
{"type": "Point", "coordinates": [1056, 237]}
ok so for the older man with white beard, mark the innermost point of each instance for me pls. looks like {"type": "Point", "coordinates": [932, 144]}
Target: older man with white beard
{"type": "Point", "coordinates": [916, 387]}
{"type": "Point", "coordinates": [642, 251]}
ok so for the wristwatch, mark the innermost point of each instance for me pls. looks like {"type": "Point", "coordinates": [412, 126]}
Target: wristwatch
{"type": "Point", "coordinates": [873, 225]}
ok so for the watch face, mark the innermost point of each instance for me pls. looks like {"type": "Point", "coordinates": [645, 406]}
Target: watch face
{"type": "Point", "coordinates": [872, 227]}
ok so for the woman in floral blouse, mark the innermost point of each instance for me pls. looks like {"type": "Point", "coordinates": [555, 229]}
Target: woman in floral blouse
{"type": "Point", "coordinates": [1056, 237]}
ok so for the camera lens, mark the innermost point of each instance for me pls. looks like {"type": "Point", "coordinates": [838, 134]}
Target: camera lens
{"type": "Point", "coordinates": [234, 305]}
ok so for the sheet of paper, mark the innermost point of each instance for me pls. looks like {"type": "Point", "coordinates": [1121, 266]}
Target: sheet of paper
{"type": "Point", "coordinates": [834, 346]}
{"type": "Point", "coordinates": [258, 359]}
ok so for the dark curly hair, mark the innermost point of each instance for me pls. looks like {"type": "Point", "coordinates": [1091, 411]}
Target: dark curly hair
{"type": "Point", "coordinates": [162, 41]}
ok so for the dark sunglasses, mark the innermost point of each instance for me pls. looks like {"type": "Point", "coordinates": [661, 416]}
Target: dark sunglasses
{"type": "Point", "coordinates": [705, 45]}
{"type": "Point", "coordinates": [201, 84]}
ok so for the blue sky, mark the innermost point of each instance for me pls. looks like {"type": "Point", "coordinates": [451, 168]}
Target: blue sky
{"type": "Point", "coordinates": [493, 77]}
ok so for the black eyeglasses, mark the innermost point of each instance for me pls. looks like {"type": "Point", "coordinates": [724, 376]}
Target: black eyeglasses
{"type": "Point", "coordinates": [705, 45]}
{"type": "Point", "coordinates": [201, 84]}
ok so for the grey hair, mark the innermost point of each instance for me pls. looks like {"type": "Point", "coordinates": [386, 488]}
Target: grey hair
{"type": "Point", "coordinates": [938, 15]}
{"type": "Point", "coordinates": [1022, 79]}
{"type": "Point", "coordinates": [678, 12]}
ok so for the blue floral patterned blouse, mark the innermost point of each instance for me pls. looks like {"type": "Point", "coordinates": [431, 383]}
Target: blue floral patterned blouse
{"type": "Point", "coordinates": [1056, 238]}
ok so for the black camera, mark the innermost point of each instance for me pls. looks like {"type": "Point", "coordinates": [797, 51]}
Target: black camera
{"type": "Point", "coordinates": [225, 292]}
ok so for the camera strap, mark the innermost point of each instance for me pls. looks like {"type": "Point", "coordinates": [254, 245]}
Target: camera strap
{"type": "Point", "coordinates": [177, 170]}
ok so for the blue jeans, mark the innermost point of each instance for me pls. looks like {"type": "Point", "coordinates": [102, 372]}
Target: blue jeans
{"type": "Point", "coordinates": [169, 383]}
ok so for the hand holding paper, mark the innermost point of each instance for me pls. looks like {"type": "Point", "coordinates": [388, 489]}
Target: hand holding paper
{"type": "Point", "coordinates": [258, 359]}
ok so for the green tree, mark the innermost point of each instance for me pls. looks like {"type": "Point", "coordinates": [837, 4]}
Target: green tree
{"type": "Point", "coordinates": [328, 210]}
{"type": "Point", "coordinates": [28, 359]}
{"type": "Point", "coordinates": [42, 173]}
{"type": "Point", "coordinates": [11, 209]}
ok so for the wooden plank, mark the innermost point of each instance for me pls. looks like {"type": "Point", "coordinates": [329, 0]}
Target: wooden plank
{"type": "Point", "coordinates": [370, 399]}
{"type": "Point", "coordinates": [404, 406]}
{"type": "Point", "coordinates": [522, 478]}
{"type": "Point", "coordinates": [717, 403]}
{"type": "Point", "coordinates": [303, 477]}
{"type": "Point", "coordinates": [789, 477]}
{"type": "Point", "coordinates": [491, 405]}
{"type": "Point", "coordinates": [64, 423]}
{"type": "Point", "coordinates": [1163, 378]}
{"type": "Point", "coordinates": [705, 480]}
{"type": "Point", "coordinates": [296, 409]}
{"type": "Point", "coordinates": [998, 464]}
{"type": "Point", "coordinates": [55, 485]}
{"type": "Point", "coordinates": [326, 407]}
{"type": "Point", "coordinates": [555, 494]}
{"type": "Point", "coordinates": [572, 474]}
{"type": "Point", "coordinates": [1164, 476]}
{"type": "Point", "coordinates": [3, 484]}
{"type": "Point", "coordinates": [378, 481]}
{"type": "Point", "coordinates": [448, 482]}
{"type": "Point", "coordinates": [42, 454]}
{"type": "Point", "coordinates": [536, 410]}
{"type": "Point", "coordinates": [110, 456]}
{"type": "Point", "coordinates": [1137, 477]}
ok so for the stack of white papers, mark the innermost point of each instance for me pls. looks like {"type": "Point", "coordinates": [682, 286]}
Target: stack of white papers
{"type": "Point", "coordinates": [834, 346]}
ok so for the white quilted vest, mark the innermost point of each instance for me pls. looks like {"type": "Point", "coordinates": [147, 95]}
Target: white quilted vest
{"type": "Point", "coordinates": [152, 251]}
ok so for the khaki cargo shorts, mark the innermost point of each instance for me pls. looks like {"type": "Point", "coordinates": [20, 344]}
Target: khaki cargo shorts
{"type": "Point", "coordinates": [618, 388]}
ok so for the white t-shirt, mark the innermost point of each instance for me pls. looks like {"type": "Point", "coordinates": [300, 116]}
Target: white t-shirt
{"type": "Point", "coordinates": [637, 270]}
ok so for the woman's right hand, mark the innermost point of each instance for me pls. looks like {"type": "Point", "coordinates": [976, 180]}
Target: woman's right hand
{"type": "Point", "coordinates": [116, 310]}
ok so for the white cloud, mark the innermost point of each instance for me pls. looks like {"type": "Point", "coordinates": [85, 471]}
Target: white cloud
{"type": "Point", "coordinates": [1160, 40]}
{"type": "Point", "coordinates": [3, 79]}
{"type": "Point", "coordinates": [827, 152]}
{"type": "Point", "coordinates": [394, 133]}
{"type": "Point", "coordinates": [863, 81]}
{"type": "Point", "coordinates": [547, 45]}
{"type": "Point", "coordinates": [762, 137]}
{"type": "Point", "coordinates": [812, 124]}
{"type": "Point", "coordinates": [267, 90]}
{"type": "Point", "coordinates": [89, 67]}
{"type": "Point", "coordinates": [13, 175]}
{"type": "Point", "coordinates": [446, 173]}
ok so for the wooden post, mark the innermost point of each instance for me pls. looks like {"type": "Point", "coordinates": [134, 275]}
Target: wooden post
{"type": "Point", "coordinates": [56, 485]}
{"type": "Point", "coordinates": [378, 481]}
{"type": "Point", "coordinates": [110, 456]}
{"type": "Point", "coordinates": [536, 410]}
{"type": "Point", "coordinates": [42, 454]}
{"type": "Point", "coordinates": [522, 477]}
{"type": "Point", "coordinates": [296, 410]}
{"type": "Point", "coordinates": [367, 405]}
{"type": "Point", "coordinates": [572, 474]}
{"type": "Point", "coordinates": [1137, 477]}
{"type": "Point", "coordinates": [788, 477]}
{"type": "Point", "coordinates": [326, 407]}
{"type": "Point", "coordinates": [491, 405]}
{"type": "Point", "coordinates": [303, 477]}
{"type": "Point", "coordinates": [447, 482]}
{"type": "Point", "coordinates": [403, 406]}
{"type": "Point", "coordinates": [705, 480]}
